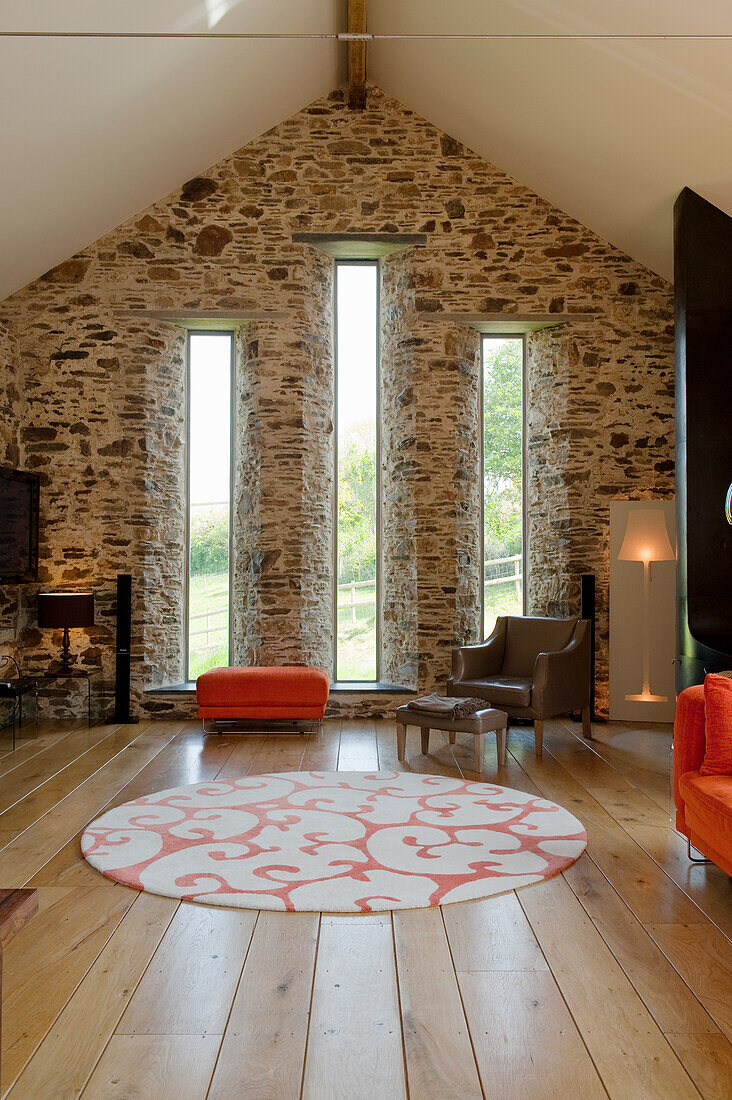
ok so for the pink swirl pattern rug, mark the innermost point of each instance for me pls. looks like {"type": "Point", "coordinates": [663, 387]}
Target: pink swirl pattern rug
{"type": "Point", "coordinates": [347, 842]}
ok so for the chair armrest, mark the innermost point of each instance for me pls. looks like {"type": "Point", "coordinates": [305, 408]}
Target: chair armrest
{"type": "Point", "coordinates": [562, 678]}
{"type": "Point", "coordinates": [689, 736]}
{"type": "Point", "coordinates": [474, 662]}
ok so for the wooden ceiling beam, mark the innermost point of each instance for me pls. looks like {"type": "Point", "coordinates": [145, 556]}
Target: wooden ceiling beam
{"type": "Point", "coordinates": [357, 55]}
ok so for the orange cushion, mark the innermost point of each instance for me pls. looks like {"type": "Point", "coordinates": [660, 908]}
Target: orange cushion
{"type": "Point", "coordinates": [259, 713]}
{"type": "Point", "coordinates": [688, 735]}
{"type": "Point", "coordinates": [718, 723]}
{"type": "Point", "coordinates": [708, 813]}
{"type": "Point", "coordinates": [286, 685]}
{"type": "Point", "coordinates": [708, 799]}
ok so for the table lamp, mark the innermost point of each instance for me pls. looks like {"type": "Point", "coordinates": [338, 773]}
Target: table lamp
{"type": "Point", "coordinates": [646, 539]}
{"type": "Point", "coordinates": [64, 611]}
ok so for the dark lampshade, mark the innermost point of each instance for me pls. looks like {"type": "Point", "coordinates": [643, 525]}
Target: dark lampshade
{"type": "Point", "coordinates": [65, 609]}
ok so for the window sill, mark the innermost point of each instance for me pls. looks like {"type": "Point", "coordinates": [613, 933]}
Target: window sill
{"type": "Point", "coordinates": [368, 687]}
{"type": "Point", "coordinates": [337, 687]}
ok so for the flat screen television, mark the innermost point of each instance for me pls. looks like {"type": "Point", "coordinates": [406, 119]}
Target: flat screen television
{"type": "Point", "coordinates": [18, 526]}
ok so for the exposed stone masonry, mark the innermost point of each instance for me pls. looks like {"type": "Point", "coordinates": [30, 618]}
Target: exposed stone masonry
{"type": "Point", "coordinates": [11, 402]}
{"type": "Point", "coordinates": [283, 483]}
{"type": "Point", "coordinates": [105, 413]}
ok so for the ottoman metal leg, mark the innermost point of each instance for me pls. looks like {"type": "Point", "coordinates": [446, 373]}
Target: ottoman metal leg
{"type": "Point", "coordinates": [425, 740]}
{"type": "Point", "coordinates": [501, 746]}
{"type": "Point", "coordinates": [401, 741]}
{"type": "Point", "coordinates": [479, 748]}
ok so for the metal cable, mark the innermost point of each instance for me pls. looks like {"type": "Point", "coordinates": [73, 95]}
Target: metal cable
{"type": "Point", "coordinates": [350, 37]}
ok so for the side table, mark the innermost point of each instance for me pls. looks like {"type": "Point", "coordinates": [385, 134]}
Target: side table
{"type": "Point", "coordinates": [74, 674]}
{"type": "Point", "coordinates": [16, 690]}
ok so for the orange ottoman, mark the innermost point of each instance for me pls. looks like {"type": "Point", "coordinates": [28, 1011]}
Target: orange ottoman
{"type": "Point", "coordinates": [288, 692]}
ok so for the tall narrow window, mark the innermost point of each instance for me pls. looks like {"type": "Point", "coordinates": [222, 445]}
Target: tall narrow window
{"type": "Point", "coordinates": [503, 476]}
{"type": "Point", "coordinates": [209, 479]}
{"type": "Point", "coordinates": [357, 432]}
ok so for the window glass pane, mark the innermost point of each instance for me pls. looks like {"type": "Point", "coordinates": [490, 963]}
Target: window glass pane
{"type": "Point", "coordinates": [502, 478]}
{"type": "Point", "coordinates": [209, 464]}
{"type": "Point", "coordinates": [357, 381]}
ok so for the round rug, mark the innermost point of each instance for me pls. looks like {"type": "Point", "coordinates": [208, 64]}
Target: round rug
{"type": "Point", "coordinates": [334, 841]}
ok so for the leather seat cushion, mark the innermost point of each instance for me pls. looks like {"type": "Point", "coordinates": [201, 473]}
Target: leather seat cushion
{"type": "Point", "coordinates": [514, 691]}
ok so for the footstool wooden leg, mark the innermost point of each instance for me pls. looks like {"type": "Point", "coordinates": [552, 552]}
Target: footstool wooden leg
{"type": "Point", "coordinates": [451, 736]}
{"type": "Point", "coordinates": [501, 746]}
{"type": "Point", "coordinates": [586, 723]}
{"type": "Point", "coordinates": [538, 735]}
{"type": "Point", "coordinates": [401, 741]}
{"type": "Point", "coordinates": [425, 740]}
{"type": "Point", "coordinates": [479, 747]}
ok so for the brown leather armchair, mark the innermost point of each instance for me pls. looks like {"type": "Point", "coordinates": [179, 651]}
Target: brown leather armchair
{"type": "Point", "coordinates": [530, 668]}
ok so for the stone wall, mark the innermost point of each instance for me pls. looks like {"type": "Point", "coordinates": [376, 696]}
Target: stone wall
{"type": "Point", "coordinates": [11, 403]}
{"type": "Point", "coordinates": [600, 424]}
{"type": "Point", "coordinates": [431, 537]}
{"type": "Point", "coordinates": [283, 480]}
{"type": "Point", "coordinates": [103, 426]}
{"type": "Point", "coordinates": [106, 408]}
{"type": "Point", "coordinates": [399, 348]}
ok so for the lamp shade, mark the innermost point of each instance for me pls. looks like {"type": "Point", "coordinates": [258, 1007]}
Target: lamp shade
{"type": "Point", "coordinates": [65, 609]}
{"type": "Point", "coordinates": [646, 537]}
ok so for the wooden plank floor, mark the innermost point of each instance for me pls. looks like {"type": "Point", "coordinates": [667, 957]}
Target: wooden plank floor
{"type": "Point", "coordinates": [614, 979]}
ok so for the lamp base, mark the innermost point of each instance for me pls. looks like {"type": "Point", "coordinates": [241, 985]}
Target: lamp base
{"type": "Point", "coordinates": [646, 697]}
{"type": "Point", "coordinates": [65, 665]}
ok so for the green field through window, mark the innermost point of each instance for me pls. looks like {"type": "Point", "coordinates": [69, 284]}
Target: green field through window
{"type": "Point", "coordinates": [503, 538]}
{"type": "Point", "coordinates": [356, 440]}
{"type": "Point", "coordinates": [209, 462]}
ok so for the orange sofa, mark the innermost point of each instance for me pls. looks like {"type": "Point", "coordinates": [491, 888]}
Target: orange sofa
{"type": "Point", "coordinates": [703, 802]}
{"type": "Point", "coordinates": [289, 692]}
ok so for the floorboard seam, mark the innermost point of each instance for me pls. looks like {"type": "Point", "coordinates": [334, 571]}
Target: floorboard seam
{"type": "Point", "coordinates": [561, 993]}
{"type": "Point", "coordinates": [310, 1008]}
{"type": "Point", "coordinates": [231, 1006]}
{"type": "Point", "coordinates": [113, 1032]}
{"type": "Point", "coordinates": [462, 1003]}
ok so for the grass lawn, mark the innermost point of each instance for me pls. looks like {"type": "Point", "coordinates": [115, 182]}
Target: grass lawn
{"type": "Point", "coordinates": [357, 640]}
{"type": "Point", "coordinates": [500, 603]}
{"type": "Point", "coordinates": [208, 592]}
{"type": "Point", "coordinates": [357, 649]}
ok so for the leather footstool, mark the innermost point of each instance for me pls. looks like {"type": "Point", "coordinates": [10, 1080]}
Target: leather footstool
{"type": "Point", "coordinates": [478, 724]}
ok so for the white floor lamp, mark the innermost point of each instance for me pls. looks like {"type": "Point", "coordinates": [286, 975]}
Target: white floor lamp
{"type": "Point", "coordinates": [646, 539]}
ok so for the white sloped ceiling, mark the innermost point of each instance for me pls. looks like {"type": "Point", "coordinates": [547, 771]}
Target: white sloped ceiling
{"type": "Point", "coordinates": [608, 131]}
{"type": "Point", "coordinates": [94, 130]}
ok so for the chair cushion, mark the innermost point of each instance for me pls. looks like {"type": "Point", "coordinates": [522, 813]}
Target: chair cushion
{"type": "Point", "coordinates": [718, 725]}
{"type": "Point", "coordinates": [708, 808]}
{"type": "Point", "coordinates": [286, 686]}
{"type": "Point", "coordinates": [527, 637]}
{"type": "Point", "coordinates": [514, 691]}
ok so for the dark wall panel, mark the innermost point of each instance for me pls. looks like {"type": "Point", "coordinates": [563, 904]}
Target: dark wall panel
{"type": "Point", "coordinates": [703, 282]}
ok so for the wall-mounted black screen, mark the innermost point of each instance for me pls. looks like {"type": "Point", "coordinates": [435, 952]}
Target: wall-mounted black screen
{"type": "Point", "coordinates": [18, 526]}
